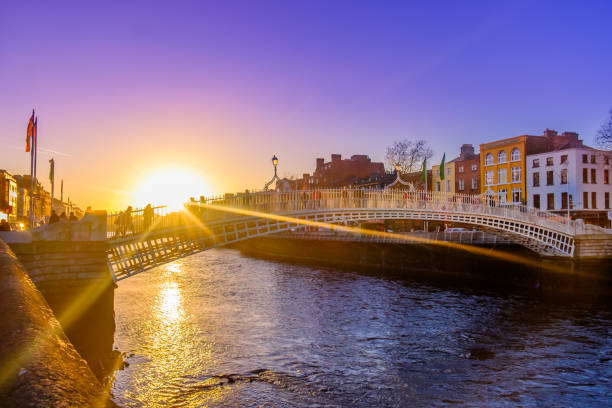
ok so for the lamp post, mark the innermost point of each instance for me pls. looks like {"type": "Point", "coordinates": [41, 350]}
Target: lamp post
{"type": "Point", "coordinates": [274, 163]}
{"type": "Point", "coordinates": [398, 179]}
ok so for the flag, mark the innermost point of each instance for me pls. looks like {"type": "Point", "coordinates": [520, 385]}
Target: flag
{"type": "Point", "coordinates": [29, 132]}
{"type": "Point", "coordinates": [424, 173]}
{"type": "Point", "coordinates": [442, 167]}
{"type": "Point", "coordinates": [51, 170]}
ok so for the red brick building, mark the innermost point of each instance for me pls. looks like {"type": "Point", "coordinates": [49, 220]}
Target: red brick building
{"type": "Point", "coordinates": [339, 172]}
{"type": "Point", "coordinates": [467, 171]}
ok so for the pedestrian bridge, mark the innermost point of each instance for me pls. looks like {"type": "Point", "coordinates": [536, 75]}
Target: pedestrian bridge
{"type": "Point", "coordinates": [163, 236]}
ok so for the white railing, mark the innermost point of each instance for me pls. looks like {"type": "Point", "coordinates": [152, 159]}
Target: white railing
{"type": "Point", "coordinates": [273, 202]}
{"type": "Point", "coordinates": [345, 199]}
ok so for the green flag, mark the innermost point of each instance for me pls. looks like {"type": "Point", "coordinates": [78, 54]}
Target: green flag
{"type": "Point", "coordinates": [424, 173]}
{"type": "Point", "coordinates": [51, 170]}
{"type": "Point", "coordinates": [442, 167]}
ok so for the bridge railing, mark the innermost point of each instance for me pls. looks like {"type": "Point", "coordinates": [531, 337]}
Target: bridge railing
{"type": "Point", "coordinates": [274, 202]}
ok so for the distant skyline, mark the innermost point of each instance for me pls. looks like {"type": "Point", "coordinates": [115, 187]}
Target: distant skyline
{"type": "Point", "coordinates": [123, 89]}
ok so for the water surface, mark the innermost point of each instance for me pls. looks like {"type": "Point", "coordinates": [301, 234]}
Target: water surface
{"type": "Point", "coordinates": [221, 329]}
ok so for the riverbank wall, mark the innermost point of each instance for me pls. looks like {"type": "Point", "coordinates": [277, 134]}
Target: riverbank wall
{"type": "Point", "coordinates": [68, 264]}
{"type": "Point", "coordinates": [39, 365]}
{"type": "Point", "coordinates": [443, 264]}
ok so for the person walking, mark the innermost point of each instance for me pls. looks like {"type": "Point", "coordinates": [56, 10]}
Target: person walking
{"type": "Point", "coordinates": [127, 221]}
{"type": "Point", "coordinates": [147, 216]}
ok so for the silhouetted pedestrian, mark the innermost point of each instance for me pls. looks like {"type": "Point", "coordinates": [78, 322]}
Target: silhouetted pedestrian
{"type": "Point", "coordinates": [73, 217]}
{"type": "Point", "coordinates": [53, 218]}
{"type": "Point", "coordinates": [147, 216]}
{"type": "Point", "coordinates": [63, 216]}
{"type": "Point", "coordinates": [127, 221]}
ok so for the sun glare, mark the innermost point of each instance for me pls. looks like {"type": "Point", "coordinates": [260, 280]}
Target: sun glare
{"type": "Point", "coordinates": [169, 186]}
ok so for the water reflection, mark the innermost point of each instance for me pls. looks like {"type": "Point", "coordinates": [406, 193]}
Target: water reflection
{"type": "Point", "coordinates": [220, 329]}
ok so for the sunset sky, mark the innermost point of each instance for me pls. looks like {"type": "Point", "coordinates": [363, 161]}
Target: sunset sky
{"type": "Point", "coordinates": [215, 89]}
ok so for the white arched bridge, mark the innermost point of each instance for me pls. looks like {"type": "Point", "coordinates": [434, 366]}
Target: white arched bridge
{"type": "Point", "coordinates": [145, 240]}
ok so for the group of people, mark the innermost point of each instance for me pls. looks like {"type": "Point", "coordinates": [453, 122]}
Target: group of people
{"type": "Point", "coordinates": [54, 218]}
{"type": "Point", "coordinates": [124, 222]}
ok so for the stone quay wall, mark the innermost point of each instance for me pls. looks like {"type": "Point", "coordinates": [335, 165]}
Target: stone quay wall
{"type": "Point", "coordinates": [594, 246]}
{"type": "Point", "coordinates": [40, 366]}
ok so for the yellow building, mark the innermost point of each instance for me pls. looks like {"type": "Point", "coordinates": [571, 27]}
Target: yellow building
{"type": "Point", "coordinates": [448, 184]}
{"type": "Point", "coordinates": [503, 170]}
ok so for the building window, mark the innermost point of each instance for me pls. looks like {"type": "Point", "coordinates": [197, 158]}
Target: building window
{"type": "Point", "coordinates": [585, 158]}
{"type": "Point", "coordinates": [536, 179]}
{"type": "Point", "coordinates": [549, 161]}
{"type": "Point", "coordinates": [536, 163]}
{"type": "Point", "coordinates": [448, 170]}
{"type": "Point", "coordinates": [564, 201]}
{"type": "Point", "coordinates": [593, 176]}
{"type": "Point", "coordinates": [516, 174]}
{"type": "Point", "coordinates": [593, 199]}
{"type": "Point", "coordinates": [437, 186]}
{"type": "Point", "coordinates": [607, 200]}
{"type": "Point", "coordinates": [564, 159]}
{"type": "Point", "coordinates": [515, 155]}
{"type": "Point", "coordinates": [501, 156]}
{"type": "Point", "coordinates": [593, 161]}
{"type": "Point", "coordinates": [474, 167]}
{"type": "Point", "coordinates": [536, 201]}
{"type": "Point", "coordinates": [474, 185]}
{"type": "Point", "coordinates": [585, 176]}
{"type": "Point", "coordinates": [461, 185]}
{"type": "Point", "coordinates": [606, 160]}
{"type": "Point", "coordinates": [460, 169]}
{"type": "Point", "coordinates": [549, 178]}
{"type": "Point", "coordinates": [564, 176]}
{"type": "Point", "coordinates": [501, 176]}
{"type": "Point", "coordinates": [489, 178]}
{"type": "Point", "coordinates": [516, 195]}
{"type": "Point", "coordinates": [550, 201]}
{"type": "Point", "coordinates": [606, 176]}
{"type": "Point", "coordinates": [488, 159]}
{"type": "Point", "coordinates": [438, 172]}
{"type": "Point", "coordinates": [502, 196]}
{"type": "Point", "coordinates": [585, 200]}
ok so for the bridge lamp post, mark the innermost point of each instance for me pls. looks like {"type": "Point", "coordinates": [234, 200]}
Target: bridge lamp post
{"type": "Point", "coordinates": [274, 163]}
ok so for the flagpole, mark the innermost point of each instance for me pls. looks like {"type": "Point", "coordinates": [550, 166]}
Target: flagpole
{"type": "Point", "coordinates": [425, 223]}
{"type": "Point", "coordinates": [35, 133]}
{"type": "Point", "coordinates": [30, 139]}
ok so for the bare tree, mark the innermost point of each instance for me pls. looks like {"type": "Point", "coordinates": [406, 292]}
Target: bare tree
{"type": "Point", "coordinates": [409, 154]}
{"type": "Point", "coordinates": [604, 134]}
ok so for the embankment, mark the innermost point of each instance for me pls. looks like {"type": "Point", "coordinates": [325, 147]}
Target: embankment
{"type": "Point", "coordinates": [39, 366]}
{"type": "Point", "coordinates": [441, 264]}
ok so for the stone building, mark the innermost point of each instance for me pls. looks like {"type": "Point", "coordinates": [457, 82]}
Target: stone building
{"type": "Point", "coordinates": [339, 172]}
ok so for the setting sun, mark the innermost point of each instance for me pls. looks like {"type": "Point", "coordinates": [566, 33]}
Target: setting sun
{"type": "Point", "coordinates": [170, 186]}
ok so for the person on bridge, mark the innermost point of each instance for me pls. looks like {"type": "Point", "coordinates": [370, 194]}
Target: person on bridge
{"type": "Point", "coordinates": [73, 217]}
{"type": "Point", "coordinates": [147, 216]}
{"type": "Point", "coordinates": [63, 216]}
{"type": "Point", "coordinates": [53, 218]}
{"type": "Point", "coordinates": [128, 225]}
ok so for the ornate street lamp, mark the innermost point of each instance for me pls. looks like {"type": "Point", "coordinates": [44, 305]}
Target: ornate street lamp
{"type": "Point", "coordinates": [274, 163]}
{"type": "Point", "coordinates": [398, 179]}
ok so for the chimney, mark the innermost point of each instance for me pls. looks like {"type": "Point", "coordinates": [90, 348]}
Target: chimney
{"type": "Point", "coordinates": [549, 133]}
{"type": "Point", "coordinates": [336, 158]}
{"type": "Point", "coordinates": [320, 163]}
{"type": "Point", "coordinates": [467, 150]}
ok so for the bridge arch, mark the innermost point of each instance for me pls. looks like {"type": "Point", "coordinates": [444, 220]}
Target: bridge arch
{"type": "Point", "coordinates": [226, 220]}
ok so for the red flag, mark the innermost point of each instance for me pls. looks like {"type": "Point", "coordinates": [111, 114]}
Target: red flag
{"type": "Point", "coordinates": [30, 130]}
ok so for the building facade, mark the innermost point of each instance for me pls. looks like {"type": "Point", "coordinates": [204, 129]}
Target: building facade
{"type": "Point", "coordinates": [467, 171]}
{"type": "Point", "coordinates": [339, 172]}
{"type": "Point", "coordinates": [8, 196]}
{"type": "Point", "coordinates": [573, 181]}
{"type": "Point", "coordinates": [448, 184]}
{"type": "Point", "coordinates": [502, 167]}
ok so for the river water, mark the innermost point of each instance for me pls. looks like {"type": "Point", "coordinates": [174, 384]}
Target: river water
{"type": "Point", "coordinates": [222, 329]}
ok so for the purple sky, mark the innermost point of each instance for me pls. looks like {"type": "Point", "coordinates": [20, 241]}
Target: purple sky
{"type": "Point", "coordinates": [219, 87]}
